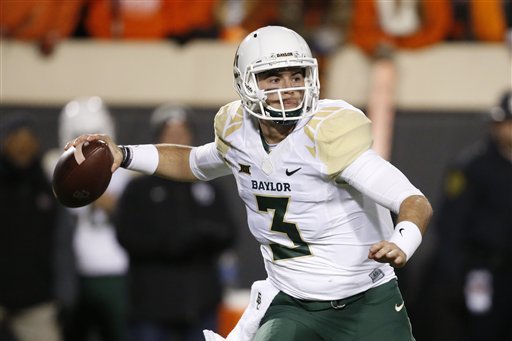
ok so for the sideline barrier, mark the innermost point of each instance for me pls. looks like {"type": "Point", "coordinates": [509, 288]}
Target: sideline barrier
{"type": "Point", "coordinates": [453, 76]}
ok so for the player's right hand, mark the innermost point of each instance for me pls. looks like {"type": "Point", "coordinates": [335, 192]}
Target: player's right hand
{"type": "Point", "coordinates": [114, 148]}
{"type": "Point", "coordinates": [387, 252]}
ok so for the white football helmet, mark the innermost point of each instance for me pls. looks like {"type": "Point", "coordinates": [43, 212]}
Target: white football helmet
{"type": "Point", "coordinates": [85, 115]}
{"type": "Point", "coordinates": [268, 48]}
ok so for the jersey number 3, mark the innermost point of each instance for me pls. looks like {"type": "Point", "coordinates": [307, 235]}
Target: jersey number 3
{"type": "Point", "coordinates": [279, 205]}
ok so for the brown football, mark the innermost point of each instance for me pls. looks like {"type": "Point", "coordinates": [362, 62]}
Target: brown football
{"type": "Point", "coordinates": [82, 174]}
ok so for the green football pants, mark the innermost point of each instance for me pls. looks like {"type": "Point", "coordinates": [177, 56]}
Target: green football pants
{"type": "Point", "coordinates": [378, 314]}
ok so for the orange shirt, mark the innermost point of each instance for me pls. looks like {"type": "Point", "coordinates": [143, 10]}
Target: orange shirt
{"type": "Point", "coordinates": [149, 19]}
{"type": "Point", "coordinates": [367, 33]}
{"type": "Point", "coordinates": [33, 19]}
{"type": "Point", "coordinates": [488, 20]}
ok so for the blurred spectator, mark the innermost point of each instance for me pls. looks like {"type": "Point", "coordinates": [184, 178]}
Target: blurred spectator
{"type": "Point", "coordinates": [322, 23]}
{"type": "Point", "coordinates": [469, 285]}
{"type": "Point", "coordinates": [380, 27]}
{"type": "Point", "coordinates": [46, 22]}
{"type": "Point", "coordinates": [237, 18]}
{"type": "Point", "coordinates": [174, 233]}
{"type": "Point", "coordinates": [157, 19]}
{"type": "Point", "coordinates": [380, 106]}
{"type": "Point", "coordinates": [92, 288]}
{"type": "Point", "coordinates": [476, 20]}
{"type": "Point", "coordinates": [27, 234]}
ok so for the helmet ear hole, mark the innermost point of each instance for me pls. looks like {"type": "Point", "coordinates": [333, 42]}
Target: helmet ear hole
{"type": "Point", "coordinates": [275, 47]}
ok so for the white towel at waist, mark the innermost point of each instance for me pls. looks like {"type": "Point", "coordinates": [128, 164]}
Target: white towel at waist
{"type": "Point", "coordinates": [262, 294]}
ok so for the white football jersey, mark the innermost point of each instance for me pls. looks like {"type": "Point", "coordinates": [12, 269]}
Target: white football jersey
{"type": "Point", "coordinates": [315, 234]}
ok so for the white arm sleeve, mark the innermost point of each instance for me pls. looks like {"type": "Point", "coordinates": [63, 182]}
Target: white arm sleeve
{"type": "Point", "coordinates": [379, 180]}
{"type": "Point", "coordinates": [206, 163]}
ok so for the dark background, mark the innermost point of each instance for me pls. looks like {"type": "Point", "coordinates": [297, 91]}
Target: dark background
{"type": "Point", "coordinates": [424, 142]}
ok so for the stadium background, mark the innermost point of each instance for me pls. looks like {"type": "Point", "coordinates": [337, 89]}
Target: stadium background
{"type": "Point", "coordinates": [442, 94]}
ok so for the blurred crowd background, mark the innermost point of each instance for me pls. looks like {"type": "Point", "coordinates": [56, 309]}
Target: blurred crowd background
{"type": "Point", "coordinates": [429, 73]}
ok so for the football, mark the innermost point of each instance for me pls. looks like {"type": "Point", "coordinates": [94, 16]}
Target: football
{"type": "Point", "coordinates": [82, 173]}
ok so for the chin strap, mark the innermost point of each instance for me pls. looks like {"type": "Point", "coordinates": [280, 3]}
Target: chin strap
{"type": "Point", "coordinates": [277, 114]}
{"type": "Point", "coordinates": [286, 123]}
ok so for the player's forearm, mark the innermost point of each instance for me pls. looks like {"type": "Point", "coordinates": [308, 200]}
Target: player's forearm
{"type": "Point", "coordinates": [169, 161]}
{"type": "Point", "coordinates": [413, 218]}
{"type": "Point", "coordinates": [174, 162]}
{"type": "Point", "coordinates": [417, 210]}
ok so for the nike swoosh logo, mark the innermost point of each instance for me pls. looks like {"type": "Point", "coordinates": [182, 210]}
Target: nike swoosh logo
{"type": "Point", "coordinates": [399, 307]}
{"type": "Point", "coordinates": [400, 230]}
{"type": "Point", "coordinates": [293, 171]}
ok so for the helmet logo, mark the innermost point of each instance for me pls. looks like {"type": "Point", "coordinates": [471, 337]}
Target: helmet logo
{"type": "Point", "coordinates": [282, 54]}
{"type": "Point", "coordinates": [249, 87]}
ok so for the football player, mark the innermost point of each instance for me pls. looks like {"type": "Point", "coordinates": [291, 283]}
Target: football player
{"type": "Point", "coordinates": [318, 198]}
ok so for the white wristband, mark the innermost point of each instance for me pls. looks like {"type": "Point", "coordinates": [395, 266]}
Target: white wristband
{"type": "Point", "coordinates": [407, 236]}
{"type": "Point", "coordinates": [142, 158]}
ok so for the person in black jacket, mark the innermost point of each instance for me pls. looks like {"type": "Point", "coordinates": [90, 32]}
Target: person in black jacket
{"type": "Point", "coordinates": [174, 233]}
{"type": "Point", "coordinates": [473, 267]}
{"type": "Point", "coordinates": [27, 234]}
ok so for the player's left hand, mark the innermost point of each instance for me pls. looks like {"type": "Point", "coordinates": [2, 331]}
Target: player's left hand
{"type": "Point", "coordinates": [387, 252]}
{"type": "Point", "coordinates": [114, 149]}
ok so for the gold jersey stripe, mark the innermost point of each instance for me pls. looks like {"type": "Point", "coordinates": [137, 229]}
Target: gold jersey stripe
{"type": "Point", "coordinates": [232, 128]}
{"type": "Point", "coordinates": [310, 133]}
{"type": "Point", "coordinates": [312, 151]}
{"type": "Point", "coordinates": [220, 120]}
